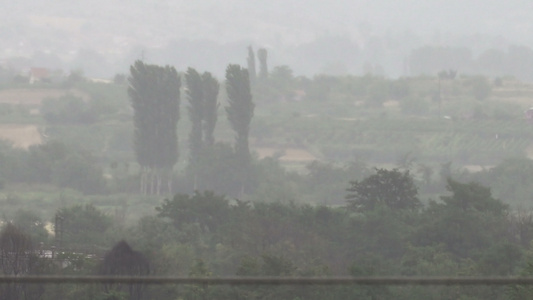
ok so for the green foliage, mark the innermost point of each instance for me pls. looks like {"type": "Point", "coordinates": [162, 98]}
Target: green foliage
{"type": "Point", "coordinates": [240, 110]}
{"type": "Point", "coordinates": [481, 87]}
{"type": "Point", "coordinates": [75, 77]}
{"type": "Point", "coordinates": [152, 233]}
{"type": "Point", "coordinates": [106, 99]}
{"type": "Point", "coordinates": [519, 292]}
{"type": "Point", "coordinates": [120, 79]}
{"type": "Point", "coordinates": [319, 89]}
{"type": "Point", "coordinates": [199, 269]}
{"type": "Point", "coordinates": [472, 197]}
{"type": "Point", "coordinates": [282, 81]}
{"type": "Point", "coordinates": [270, 182]}
{"type": "Point", "coordinates": [268, 265]}
{"type": "Point", "coordinates": [68, 109]}
{"type": "Point", "coordinates": [215, 160]}
{"type": "Point", "coordinates": [207, 210]}
{"type": "Point", "coordinates": [175, 259]}
{"type": "Point", "coordinates": [400, 89]}
{"type": "Point", "coordinates": [155, 97]}
{"type": "Point", "coordinates": [122, 260]}
{"type": "Point", "coordinates": [414, 106]}
{"type": "Point", "coordinates": [377, 92]}
{"type": "Point", "coordinates": [77, 171]}
{"type": "Point", "coordinates": [53, 163]}
{"type": "Point", "coordinates": [154, 93]}
{"type": "Point", "coordinates": [210, 91]}
{"type": "Point", "coordinates": [30, 222]}
{"type": "Point", "coordinates": [467, 221]}
{"type": "Point", "coordinates": [382, 231]}
{"type": "Point", "coordinates": [386, 232]}
{"type": "Point", "coordinates": [82, 226]}
{"type": "Point", "coordinates": [370, 265]}
{"type": "Point", "coordinates": [501, 259]}
{"type": "Point", "coordinates": [510, 180]}
{"type": "Point", "coordinates": [393, 189]}
{"type": "Point", "coordinates": [18, 259]}
{"type": "Point", "coordinates": [195, 96]}
{"type": "Point", "coordinates": [202, 92]}
{"type": "Point", "coordinates": [325, 182]}
{"type": "Point", "coordinates": [113, 295]}
{"type": "Point", "coordinates": [429, 260]}
{"type": "Point", "coordinates": [14, 243]}
{"type": "Point", "coordinates": [250, 60]}
{"type": "Point", "coordinates": [262, 55]}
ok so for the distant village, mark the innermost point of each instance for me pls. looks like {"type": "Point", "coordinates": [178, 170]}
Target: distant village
{"type": "Point", "coordinates": [37, 75]}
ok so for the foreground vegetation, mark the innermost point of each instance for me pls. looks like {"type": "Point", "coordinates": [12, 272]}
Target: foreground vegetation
{"type": "Point", "coordinates": [466, 232]}
{"type": "Point", "coordinates": [399, 185]}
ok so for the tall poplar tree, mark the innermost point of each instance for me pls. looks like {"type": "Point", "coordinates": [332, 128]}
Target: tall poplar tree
{"type": "Point", "coordinates": [240, 112]}
{"type": "Point", "coordinates": [251, 65]}
{"type": "Point", "coordinates": [154, 93]}
{"type": "Point", "coordinates": [211, 89]}
{"type": "Point", "coordinates": [262, 55]}
{"type": "Point", "coordinates": [195, 96]}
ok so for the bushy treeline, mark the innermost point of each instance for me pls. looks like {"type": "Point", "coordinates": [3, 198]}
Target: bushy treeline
{"type": "Point", "coordinates": [414, 94]}
{"type": "Point", "coordinates": [52, 163]}
{"type": "Point", "coordinates": [378, 232]}
{"type": "Point", "coordinates": [66, 166]}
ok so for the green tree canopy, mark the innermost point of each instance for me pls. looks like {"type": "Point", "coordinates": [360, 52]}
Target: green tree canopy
{"type": "Point", "coordinates": [262, 55]}
{"type": "Point", "coordinates": [251, 64]}
{"type": "Point", "coordinates": [211, 88]}
{"type": "Point", "coordinates": [195, 96]}
{"type": "Point", "coordinates": [155, 97]}
{"type": "Point", "coordinates": [472, 196]}
{"type": "Point", "coordinates": [206, 209]}
{"type": "Point", "coordinates": [241, 108]}
{"type": "Point", "coordinates": [391, 188]}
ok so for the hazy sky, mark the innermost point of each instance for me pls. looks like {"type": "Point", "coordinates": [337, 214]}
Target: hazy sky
{"type": "Point", "coordinates": [511, 19]}
{"type": "Point", "coordinates": [253, 18]}
{"type": "Point", "coordinates": [118, 28]}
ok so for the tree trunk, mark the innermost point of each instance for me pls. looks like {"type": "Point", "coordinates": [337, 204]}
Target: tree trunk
{"type": "Point", "coordinates": [158, 178]}
{"type": "Point", "coordinates": [143, 180]}
{"type": "Point", "coordinates": [152, 181]}
{"type": "Point", "coordinates": [169, 181]}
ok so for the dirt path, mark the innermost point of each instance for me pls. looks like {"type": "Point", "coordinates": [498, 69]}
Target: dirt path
{"type": "Point", "coordinates": [289, 154]}
{"type": "Point", "coordinates": [22, 136]}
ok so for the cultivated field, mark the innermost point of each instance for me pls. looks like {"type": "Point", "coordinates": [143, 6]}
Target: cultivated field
{"type": "Point", "coordinates": [22, 136]}
{"type": "Point", "coordinates": [35, 96]}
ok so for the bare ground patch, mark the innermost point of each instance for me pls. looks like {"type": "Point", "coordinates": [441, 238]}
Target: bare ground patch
{"type": "Point", "coordinates": [288, 154]}
{"type": "Point", "coordinates": [22, 136]}
{"type": "Point", "coordinates": [529, 151]}
{"type": "Point", "coordinates": [522, 101]}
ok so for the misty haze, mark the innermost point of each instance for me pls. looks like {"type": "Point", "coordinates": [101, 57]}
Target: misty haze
{"type": "Point", "coordinates": [254, 139]}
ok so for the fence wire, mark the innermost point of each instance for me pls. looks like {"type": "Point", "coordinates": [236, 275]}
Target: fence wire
{"type": "Point", "coordinates": [152, 280]}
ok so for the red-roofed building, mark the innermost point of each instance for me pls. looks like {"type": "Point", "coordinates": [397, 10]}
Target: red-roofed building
{"type": "Point", "coordinates": [39, 75]}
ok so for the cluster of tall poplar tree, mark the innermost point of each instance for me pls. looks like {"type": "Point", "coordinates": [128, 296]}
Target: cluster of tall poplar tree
{"type": "Point", "coordinates": [155, 97]}
{"type": "Point", "coordinates": [262, 56]}
{"type": "Point", "coordinates": [240, 112]}
{"type": "Point", "coordinates": [202, 94]}
{"type": "Point", "coordinates": [154, 92]}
